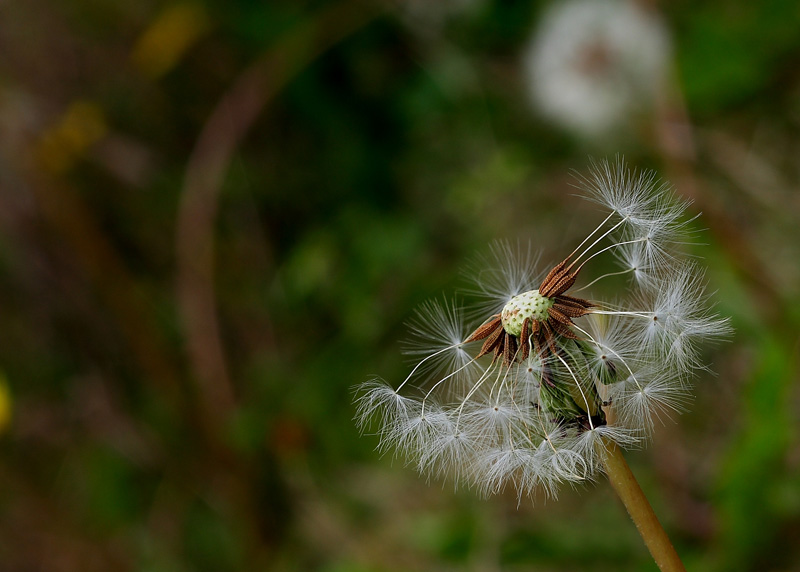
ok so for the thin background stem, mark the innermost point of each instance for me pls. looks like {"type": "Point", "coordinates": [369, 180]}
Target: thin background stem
{"type": "Point", "coordinates": [225, 129]}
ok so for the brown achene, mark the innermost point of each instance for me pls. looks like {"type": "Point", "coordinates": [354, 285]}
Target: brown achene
{"type": "Point", "coordinates": [542, 333]}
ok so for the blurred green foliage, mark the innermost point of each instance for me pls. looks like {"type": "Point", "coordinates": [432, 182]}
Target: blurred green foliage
{"type": "Point", "coordinates": [391, 143]}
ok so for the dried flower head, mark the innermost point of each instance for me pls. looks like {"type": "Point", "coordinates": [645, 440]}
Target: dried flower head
{"type": "Point", "coordinates": [531, 394]}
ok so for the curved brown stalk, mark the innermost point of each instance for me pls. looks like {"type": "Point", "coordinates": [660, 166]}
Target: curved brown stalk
{"type": "Point", "coordinates": [222, 134]}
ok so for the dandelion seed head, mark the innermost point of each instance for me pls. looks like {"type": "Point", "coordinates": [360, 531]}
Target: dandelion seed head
{"type": "Point", "coordinates": [532, 395]}
{"type": "Point", "coordinates": [526, 306]}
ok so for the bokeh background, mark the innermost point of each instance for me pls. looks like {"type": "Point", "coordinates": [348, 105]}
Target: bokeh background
{"type": "Point", "coordinates": [216, 217]}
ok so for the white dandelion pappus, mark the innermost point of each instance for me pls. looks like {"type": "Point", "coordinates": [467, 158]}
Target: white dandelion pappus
{"type": "Point", "coordinates": [593, 63]}
{"type": "Point", "coordinates": [536, 391]}
{"type": "Point", "coordinates": [437, 328]}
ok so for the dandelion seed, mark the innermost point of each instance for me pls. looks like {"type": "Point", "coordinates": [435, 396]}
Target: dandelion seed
{"type": "Point", "coordinates": [548, 380]}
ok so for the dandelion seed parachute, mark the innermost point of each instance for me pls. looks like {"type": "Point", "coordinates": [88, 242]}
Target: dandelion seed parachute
{"type": "Point", "coordinates": [530, 394]}
{"type": "Point", "coordinates": [438, 331]}
{"type": "Point", "coordinates": [507, 271]}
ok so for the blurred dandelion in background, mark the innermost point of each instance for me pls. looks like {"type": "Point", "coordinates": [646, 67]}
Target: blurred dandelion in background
{"type": "Point", "coordinates": [591, 64]}
{"type": "Point", "coordinates": [559, 377]}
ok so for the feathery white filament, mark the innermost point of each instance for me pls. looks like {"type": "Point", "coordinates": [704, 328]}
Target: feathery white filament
{"type": "Point", "coordinates": [536, 422]}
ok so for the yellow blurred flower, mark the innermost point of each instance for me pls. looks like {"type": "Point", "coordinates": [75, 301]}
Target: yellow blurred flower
{"type": "Point", "coordinates": [5, 404]}
{"type": "Point", "coordinates": [82, 125]}
{"type": "Point", "coordinates": [170, 35]}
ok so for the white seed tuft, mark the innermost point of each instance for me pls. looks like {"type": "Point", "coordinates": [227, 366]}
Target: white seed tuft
{"type": "Point", "coordinates": [540, 412]}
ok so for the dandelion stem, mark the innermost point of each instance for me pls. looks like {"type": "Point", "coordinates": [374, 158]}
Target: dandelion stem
{"type": "Point", "coordinates": [602, 250]}
{"type": "Point", "coordinates": [639, 509]}
{"type": "Point", "coordinates": [598, 279]}
{"type": "Point", "coordinates": [591, 246]}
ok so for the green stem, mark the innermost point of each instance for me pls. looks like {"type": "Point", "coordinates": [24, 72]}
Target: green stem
{"type": "Point", "coordinates": [639, 509]}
